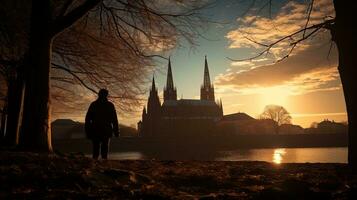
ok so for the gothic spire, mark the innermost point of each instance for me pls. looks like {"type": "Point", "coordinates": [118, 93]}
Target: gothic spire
{"type": "Point", "coordinates": [169, 81]}
{"type": "Point", "coordinates": [154, 101]}
{"type": "Point", "coordinates": [169, 89]}
{"type": "Point", "coordinates": [206, 79]}
{"type": "Point", "coordinates": [207, 89]}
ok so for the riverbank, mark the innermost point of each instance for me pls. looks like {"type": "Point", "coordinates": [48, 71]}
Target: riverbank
{"type": "Point", "coordinates": [206, 145]}
{"type": "Point", "coordinates": [73, 176]}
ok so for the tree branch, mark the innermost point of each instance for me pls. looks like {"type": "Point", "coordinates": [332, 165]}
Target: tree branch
{"type": "Point", "coordinates": [56, 66]}
{"type": "Point", "coordinates": [326, 24]}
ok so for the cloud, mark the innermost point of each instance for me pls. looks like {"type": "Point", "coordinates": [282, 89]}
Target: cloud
{"type": "Point", "coordinates": [268, 75]}
{"type": "Point", "coordinates": [320, 79]}
{"type": "Point", "coordinates": [317, 114]}
{"type": "Point", "coordinates": [308, 71]}
{"type": "Point", "coordinates": [244, 63]}
{"type": "Point", "coordinates": [289, 19]}
{"type": "Point", "coordinates": [249, 64]}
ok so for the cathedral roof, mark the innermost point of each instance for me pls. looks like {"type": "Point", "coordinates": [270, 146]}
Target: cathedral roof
{"type": "Point", "coordinates": [237, 116]}
{"type": "Point", "coordinates": [189, 102]}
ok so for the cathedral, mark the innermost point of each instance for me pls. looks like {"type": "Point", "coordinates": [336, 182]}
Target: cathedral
{"type": "Point", "coordinates": [183, 117]}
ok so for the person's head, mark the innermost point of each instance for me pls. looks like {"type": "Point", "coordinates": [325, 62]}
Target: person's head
{"type": "Point", "coordinates": [103, 94]}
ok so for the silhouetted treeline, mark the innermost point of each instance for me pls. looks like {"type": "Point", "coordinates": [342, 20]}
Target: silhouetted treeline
{"type": "Point", "coordinates": [230, 125]}
{"type": "Point", "coordinates": [327, 127]}
{"type": "Point", "coordinates": [249, 126]}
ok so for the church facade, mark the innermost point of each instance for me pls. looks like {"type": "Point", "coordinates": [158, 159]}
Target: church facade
{"type": "Point", "coordinates": [180, 117]}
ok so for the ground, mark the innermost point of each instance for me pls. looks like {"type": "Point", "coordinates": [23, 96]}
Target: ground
{"type": "Point", "coordinates": [73, 176]}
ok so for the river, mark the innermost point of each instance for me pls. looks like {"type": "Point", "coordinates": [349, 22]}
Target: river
{"type": "Point", "coordinates": [277, 155]}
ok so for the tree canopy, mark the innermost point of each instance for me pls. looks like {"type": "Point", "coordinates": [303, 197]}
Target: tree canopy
{"type": "Point", "coordinates": [277, 113]}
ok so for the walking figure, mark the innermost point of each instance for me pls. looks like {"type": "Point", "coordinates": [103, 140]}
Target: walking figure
{"type": "Point", "coordinates": [101, 123]}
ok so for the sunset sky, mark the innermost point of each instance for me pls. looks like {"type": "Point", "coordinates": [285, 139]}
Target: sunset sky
{"type": "Point", "coordinates": [307, 84]}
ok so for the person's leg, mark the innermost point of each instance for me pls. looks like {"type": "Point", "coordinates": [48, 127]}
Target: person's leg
{"type": "Point", "coordinates": [96, 146]}
{"type": "Point", "coordinates": [105, 148]}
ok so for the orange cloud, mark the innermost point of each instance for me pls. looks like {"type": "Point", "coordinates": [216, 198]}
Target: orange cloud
{"type": "Point", "coordinates": [290, 18]}
{"type": "Point", "coordinates": [308, 69]}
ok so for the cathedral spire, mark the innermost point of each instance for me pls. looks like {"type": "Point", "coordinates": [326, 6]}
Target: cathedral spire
{"type": "Point", "coordinates": [206, 79]}
{"type": "Point", "coordinates": [207, 90]}
{"type": "Point", "coordinates": [169, 81]}
{"type": "Point", "coordinates": [169, 89]}
{"type": "Point", "coordinates": [153, 111]}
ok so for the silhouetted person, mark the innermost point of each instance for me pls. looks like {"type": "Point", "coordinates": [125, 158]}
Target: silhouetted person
{"type": "Point", "coordinates": [101, 122]}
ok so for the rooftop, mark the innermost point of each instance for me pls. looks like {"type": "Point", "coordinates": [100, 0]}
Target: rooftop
{"type": "Point", "coordinates": [189, 102]}
{"type": "Point", "coordinates": [237, 116]}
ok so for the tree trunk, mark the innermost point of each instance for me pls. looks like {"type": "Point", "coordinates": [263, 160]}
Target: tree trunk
{"type": "Point", "coordinates": [345, 36]}
{"type": "Point", "coordinates": [36, 125]}
{"type": "Point", "coordinates": [15, 102]}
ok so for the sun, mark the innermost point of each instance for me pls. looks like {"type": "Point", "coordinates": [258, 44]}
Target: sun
{"type": "Point", "coordinates": [277, 95]}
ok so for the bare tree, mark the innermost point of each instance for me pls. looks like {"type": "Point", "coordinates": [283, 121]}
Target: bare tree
{"type": "Point", "coordinates": [276, 113]}
{"type": "Point", "coordinates": [95, 44]}
{"type": "Point", "coordinates": [113, 47]}
{"type": "Point", "coordinates": [13, 40]}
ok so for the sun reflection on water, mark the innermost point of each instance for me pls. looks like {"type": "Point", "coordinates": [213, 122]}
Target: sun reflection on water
{"type": "Point", "coordinates": [278, 155]}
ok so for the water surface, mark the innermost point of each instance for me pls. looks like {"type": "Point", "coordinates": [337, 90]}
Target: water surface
{"type": "Point", "coordinates": [277, 155]}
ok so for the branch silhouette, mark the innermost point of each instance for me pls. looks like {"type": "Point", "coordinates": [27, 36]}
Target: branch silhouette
{"type": "Point", "coordinates": [56, 66]}
{"type": "Point", "coordinates": [306, 32]}
{"type": "Point", "coordinates": [314, 29]}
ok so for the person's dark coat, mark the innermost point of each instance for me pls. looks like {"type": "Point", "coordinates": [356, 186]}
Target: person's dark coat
{"type": "Point", "coordinates": [101, 120]}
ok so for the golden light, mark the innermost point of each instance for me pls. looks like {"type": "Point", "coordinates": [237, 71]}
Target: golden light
{"type": "Point", "coordinates": [278, 155]}
{"type": "Point", "coordinates": [275, 95]}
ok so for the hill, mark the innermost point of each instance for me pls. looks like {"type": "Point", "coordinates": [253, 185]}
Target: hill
{"type": "Point", "coordinates": [69, 129]}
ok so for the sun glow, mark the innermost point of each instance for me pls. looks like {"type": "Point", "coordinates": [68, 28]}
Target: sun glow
{"type": "Point", "coordinates": [278, 155]}
{"type": "Point", "coordinates": [275, 95]}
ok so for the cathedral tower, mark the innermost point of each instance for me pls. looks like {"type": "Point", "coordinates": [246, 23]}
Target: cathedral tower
{"type": "Point", "coordinates": [154, 104]}
{"type": "Point", "coordinates": [153, 112]}
{"type": "Point", "coordinates": [207, 89]}
{"type": "Point", "coordinates": [169, 90]}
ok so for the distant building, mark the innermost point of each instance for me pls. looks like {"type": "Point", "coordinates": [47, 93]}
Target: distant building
{"type": "Point", "coordinates": [330, 127]}
{"type": "Point", "coordinates": [237, 117]}
{"type": "Point", "coordinates": [290, 129]}
{"type": "Point", "coordinates": [236, 124]}
{"type": "Point", "coordinates": [243, 124]}
{"type": "Point", "coordinates": [180, 117]}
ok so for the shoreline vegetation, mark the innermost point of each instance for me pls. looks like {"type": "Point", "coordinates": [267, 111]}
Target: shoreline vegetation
{"type": "Point", "coordinates": [27, 175]}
